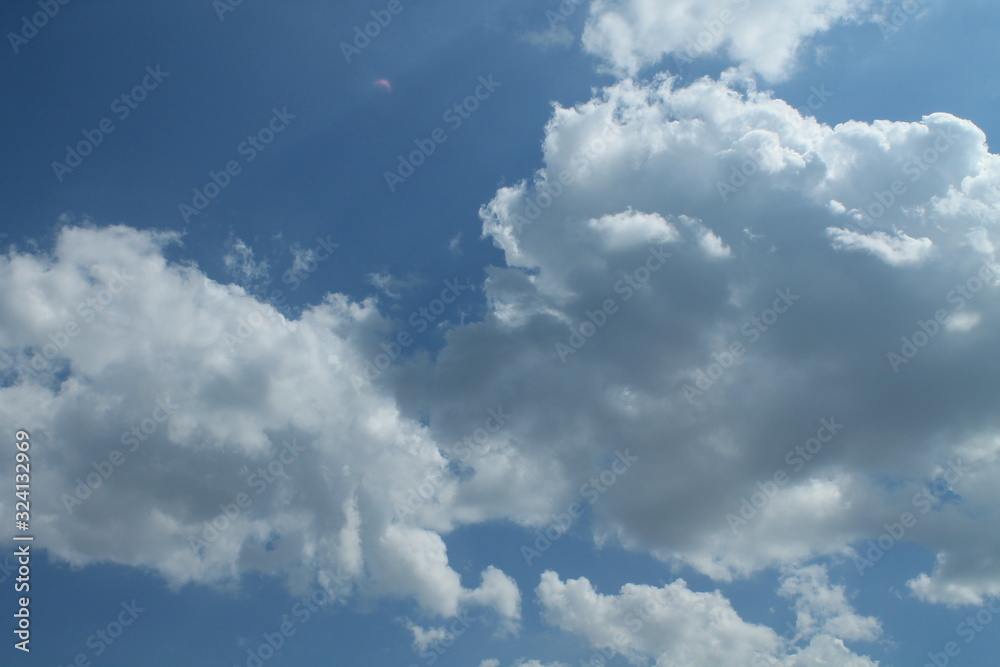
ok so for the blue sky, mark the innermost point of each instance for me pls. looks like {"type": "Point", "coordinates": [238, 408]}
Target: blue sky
{"type": "Point", "coordinates": [407, 339]}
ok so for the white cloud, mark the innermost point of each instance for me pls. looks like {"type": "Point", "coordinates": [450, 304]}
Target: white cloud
{"type": "Point", "coordinates": [673, 625]}
{"type": "Point", "coordinates": [826, 650]}
{"type": "Point", "coordinates": [713, 245]}
{"type": "Point", "coordinates": [898, 249]}
{"type": "Point", "coordinates": [213, 407]}
{"type": "Point", "coordinates": [637, 157]}
{"type": "Point", "coordinates": [630, 228]}
{"type": "Point", "coordinates": [823, 608]}
{"type": "Point", "coordinates": [766, 36]}
{"type": "Point", "coordinates": [951, 585]}
{"type": "Point", "coordinates": [652, 178]}
{"type": "Point", "coordinates": [498, 592]}
{"type": "Point", "coordinates": [635, 167]}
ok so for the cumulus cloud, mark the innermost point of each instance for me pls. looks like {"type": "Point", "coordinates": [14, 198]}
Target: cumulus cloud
{"type": "Point", "coordinates": [699, 274]}
{"type": "Point", "coordinates": [666, 225]}
{"type": "Point", "coordinates": [221, 440]}
{"type": "Point", "coordinates": [717, 360]}
{"type": "Point", "coordinates": [673, 625]}
{"type": "Point", "coordinates": [767, 37]}
{"type": "Point", "coordinates": [823, 608]}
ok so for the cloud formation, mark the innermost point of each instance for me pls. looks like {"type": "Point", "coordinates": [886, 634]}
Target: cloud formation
{"type": "Point", "coordinates": [766, 37]}
{"type": "Point", "coordinates": [674, 626]}
{"type": "Point", "coordinates": [220, 440]}
{"type": "Point", "coordinates": [791, 325]}
{"type": "Point", "coordinates": [809, 274]}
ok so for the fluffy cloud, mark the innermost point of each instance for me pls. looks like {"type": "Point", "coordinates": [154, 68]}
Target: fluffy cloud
{"type": "Point", "coordinates": [220, 437]}
{"type": "Point", "coordinates": [699, 274]}
{"type": "Point", "coordinates": [766, 36]}
{"type": "Point", "coordinates": [672, 284]}
{"type": "Point", "coordinates": [675, 626]}
{"type": "Point", "coordinates": [823, 608]}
